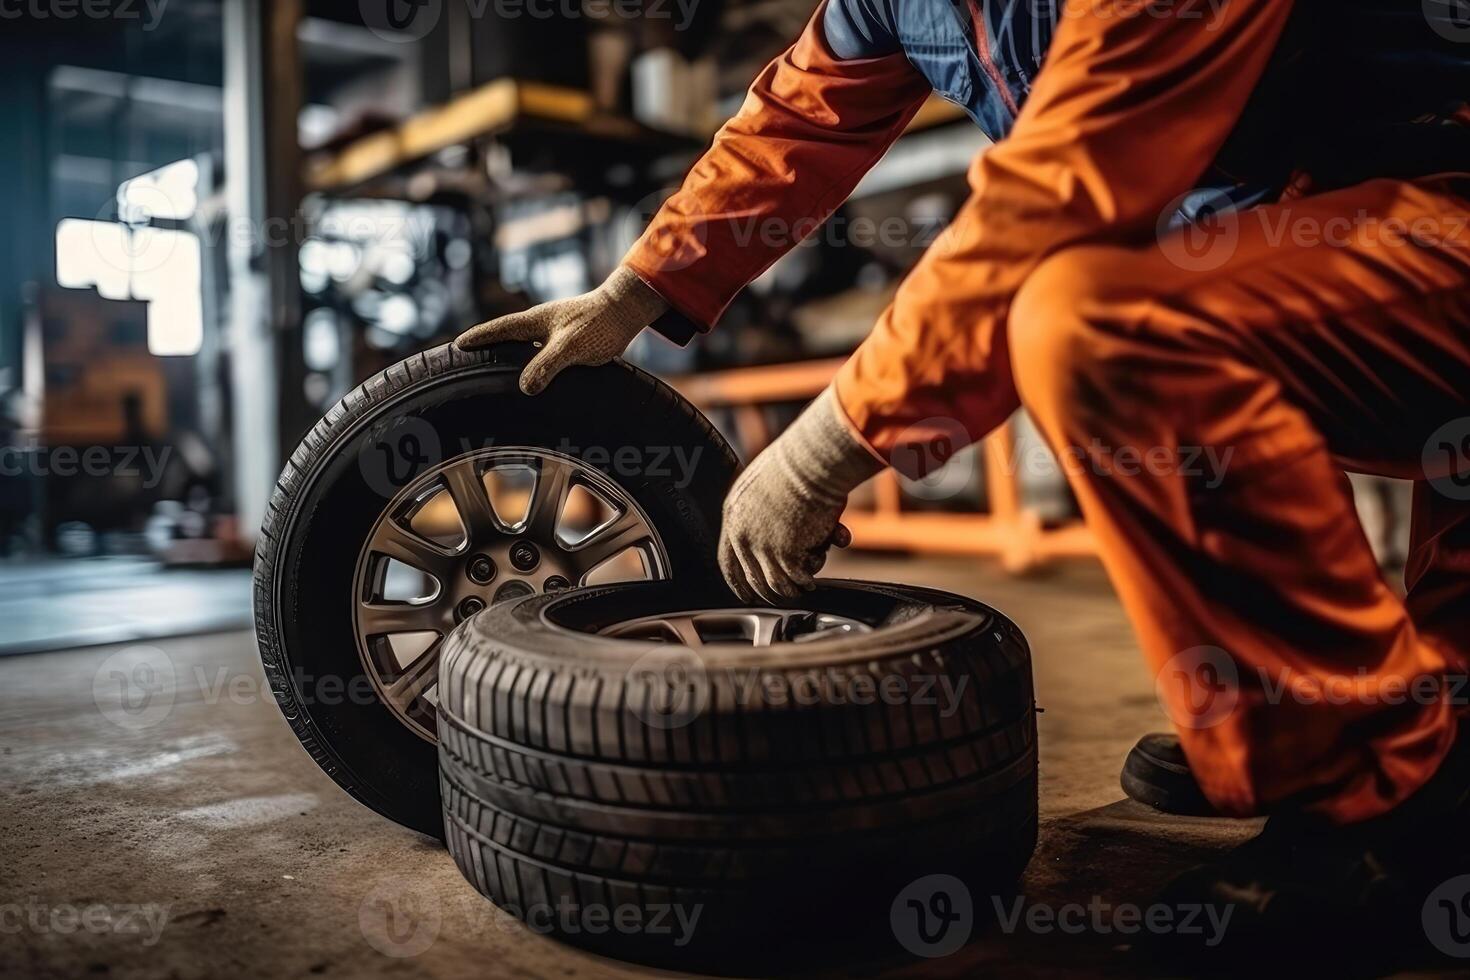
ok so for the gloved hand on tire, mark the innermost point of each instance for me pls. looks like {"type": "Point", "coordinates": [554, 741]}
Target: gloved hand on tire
{"type": "Point", "coordinates": [589, 329]}
{"type": "Point", "coordinates": [781, 514]}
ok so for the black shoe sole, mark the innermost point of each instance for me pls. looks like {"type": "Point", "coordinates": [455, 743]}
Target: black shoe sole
{"type": "Point", "coordinates": [1164, 786]}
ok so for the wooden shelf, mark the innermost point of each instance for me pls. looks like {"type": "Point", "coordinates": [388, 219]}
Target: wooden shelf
{"type": "Point", "coordinates": [498, 107]}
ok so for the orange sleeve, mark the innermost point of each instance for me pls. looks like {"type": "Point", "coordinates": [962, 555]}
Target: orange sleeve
{"type": "Point", "coordinates": [811, 126]}
{"type": "Point", "coordinates": [1130, 109]}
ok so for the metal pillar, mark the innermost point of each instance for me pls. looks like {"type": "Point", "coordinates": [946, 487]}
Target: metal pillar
{"type": "Point", "coordinates": [263, 96]}
{"type": "Point", "coordinates": [28, 240]}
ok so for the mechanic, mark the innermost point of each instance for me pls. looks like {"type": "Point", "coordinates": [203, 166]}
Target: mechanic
{"type": "Point", "coordinates": [1065, 285]}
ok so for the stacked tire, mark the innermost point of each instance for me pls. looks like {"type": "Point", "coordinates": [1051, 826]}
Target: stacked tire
{"type": "Point", "coordinates": [715, 801]}
{"type": "Point", "coordinates": [671, 804]}
{"type": "Point", "coordinates": [370, 449]}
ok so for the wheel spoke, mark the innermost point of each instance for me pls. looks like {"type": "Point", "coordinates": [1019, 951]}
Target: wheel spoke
{"type": "Point", "coordinates": [767, 628]}
{"type": "Point", "coordinates": [539, 488]}
{"type": "Point", "coordinates": [467, 491]}
{"type": "Point", "coordinates": [387, 618]}
{"type": "Point", "coordinates": [418, 677]}
{"type": "Point", "coordinates": [401, 544]}
{"type": "Point", "coordinates": [685, 629]}
{"type": "Point", "coordinates": [548, 499]}
{"type": "Point", "coordinates": [624, 531]}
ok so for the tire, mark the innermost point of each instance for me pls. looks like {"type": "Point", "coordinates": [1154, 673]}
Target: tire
{"type": "Point", "coordinates": [380, 438]}
{"type": "Point", "coordinates": [583, 772]}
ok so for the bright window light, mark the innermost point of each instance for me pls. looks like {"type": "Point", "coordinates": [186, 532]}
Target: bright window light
{"type": "Point", "coordinates": [93, 253]}
{"type": "Point", "coordinates": [169, 281]}
{"type": "Point", "coordinates": [158, 265]}
{"type": "Point", "coordinates": [168, 192]}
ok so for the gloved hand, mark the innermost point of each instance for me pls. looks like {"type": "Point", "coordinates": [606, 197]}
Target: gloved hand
{"type": "Point", "coordinates": [589, 329]}
{"type": "Point", "coordinates": [781, 514]}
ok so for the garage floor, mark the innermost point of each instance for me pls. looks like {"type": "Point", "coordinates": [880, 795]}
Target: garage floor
{"type": "Point", "coordinates": [204, 843]}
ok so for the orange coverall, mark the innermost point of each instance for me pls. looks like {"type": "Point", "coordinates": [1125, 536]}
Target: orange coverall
{"type": "Point", "coordinates": [1053, 288]}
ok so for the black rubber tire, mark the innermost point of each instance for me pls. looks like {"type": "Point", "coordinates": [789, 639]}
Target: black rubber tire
{"type": "Point", "coordinates": [776, 815]}
{"type": "Point", "coordinates": [332, 491]}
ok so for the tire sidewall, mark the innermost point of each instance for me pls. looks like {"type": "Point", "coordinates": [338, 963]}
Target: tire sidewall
{"type": "Point", "coordinates": [609, 418]}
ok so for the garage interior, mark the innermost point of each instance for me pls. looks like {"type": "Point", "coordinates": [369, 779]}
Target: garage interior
{"type": "Point", "coordinates": [222, 216]}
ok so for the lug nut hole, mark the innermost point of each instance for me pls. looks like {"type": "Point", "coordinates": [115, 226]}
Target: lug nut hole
{"type": "Point", "coordinates": [524, 556]}
{"type": "Point", "coordinates": [481, 569]}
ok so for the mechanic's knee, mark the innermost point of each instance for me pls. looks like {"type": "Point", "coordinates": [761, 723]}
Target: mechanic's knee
{"type": "Point", "coordinates": [1063, 338]}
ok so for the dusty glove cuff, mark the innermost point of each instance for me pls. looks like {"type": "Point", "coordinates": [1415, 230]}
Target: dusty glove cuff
{"type": "Point", "coordinates": [820, 453]}
{"type": "Point", "coordinates": [635, 299]}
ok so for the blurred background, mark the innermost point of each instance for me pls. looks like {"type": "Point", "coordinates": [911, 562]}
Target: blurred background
{"type": "Point", "coordinates": [220, 215]}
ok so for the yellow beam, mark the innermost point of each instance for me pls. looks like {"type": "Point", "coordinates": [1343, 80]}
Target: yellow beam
{"type": "Point", "coordinates": [491, 108]}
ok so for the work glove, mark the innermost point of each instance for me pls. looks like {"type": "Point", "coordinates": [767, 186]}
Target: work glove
{"type": "Point", "coordinates": [781, 514]}
{"type": "Point", "coordinates": [589, 329]}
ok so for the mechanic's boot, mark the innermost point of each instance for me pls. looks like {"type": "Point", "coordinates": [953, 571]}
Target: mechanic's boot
{"type": "Point", "coordinates": [1157, 774]}
{"type": "Point", "coordinates": [1308, 891]}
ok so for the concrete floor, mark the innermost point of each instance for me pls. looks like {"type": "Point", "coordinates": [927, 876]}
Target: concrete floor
{"type": "Point", "coordinates": [73, 602]}
{"type": "Point", "coordinates": [202, 842]}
